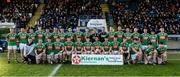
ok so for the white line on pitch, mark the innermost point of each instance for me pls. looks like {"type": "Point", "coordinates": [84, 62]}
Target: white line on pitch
{"type": "Point", "coordinates": [55, 70]}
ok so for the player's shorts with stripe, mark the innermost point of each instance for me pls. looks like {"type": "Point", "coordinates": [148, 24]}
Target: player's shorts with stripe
{"type": "Point", "coordinates": [134, 56]}
{"type": "Point", "coordinates": [12, 47]}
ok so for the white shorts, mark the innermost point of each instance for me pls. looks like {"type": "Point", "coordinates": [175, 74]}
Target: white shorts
{"type": "Point", "coordinates": [144, 47]}
{"type": "Point", "coordinates": [50, 55]}
{"type": "Point", "coordinates": [40, 56]}
{"type": "Point", "coordinates": [12, 47]}
{"type": "Point", "coordinates": [134, 56]}
{"type": "Point", "coordinates": [21, 46]}
{"type": "Point", "coordinates": [88, 52]}
{"type": "Point", "coordinates": [116, 52]}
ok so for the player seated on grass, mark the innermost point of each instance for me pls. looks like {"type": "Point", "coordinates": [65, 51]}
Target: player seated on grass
{"type": "Point", "coordinates": [49, 51]}
{"type": "Point", "coordinates": [69, 47]}
{"type": "Point", "coordinates": [78, 47]}
{"type": "Point", "coordinates": [58, 51]}
{"type": "Point", "coordinates": [136, 52]}
{"type": "Point", "coordinates": [150, 55]}
{"type": "Point", "coordinates": [115, 46]}
{"type": "Point", "coordinates": [23, 39]}
{"type": "Point", "coordinates": [40, 52]}
{"type": "Point", "coordinates": [106, 46]}
{"type": "Point", "coordinates": [161, 53]}
{"type": "Point", "coordinates": [125, 51]}
{"type": "Point", "coordinates": [12, 45]}
{"type": "Point", "coordinates": [88, 46]}
{"type": "Point", "coordinates": [97, 48]}
{"type": "Point", "coordinates": [29, 54]}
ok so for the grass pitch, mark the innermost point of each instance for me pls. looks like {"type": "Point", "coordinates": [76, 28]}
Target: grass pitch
{"type": "Point", "coordinates": [20, 69]}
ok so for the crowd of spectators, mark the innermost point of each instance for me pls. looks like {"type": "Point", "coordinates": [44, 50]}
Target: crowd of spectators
{"type": "Point", "coordinates": [65, 13]}
{"type": "Point", "coordinates": [151, 14]}
{"type": "Point", "coordinates": [17, 11]}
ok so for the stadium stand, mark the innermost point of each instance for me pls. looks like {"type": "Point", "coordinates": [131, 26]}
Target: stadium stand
{"type": "Point", "coordinates": [17, 11]}
{"type": "Point", "coordinates": [65, 13]}
{"type": "Point", "coordinates": [147, 13]}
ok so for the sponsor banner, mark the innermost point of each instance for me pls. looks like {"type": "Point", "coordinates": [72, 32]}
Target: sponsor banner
{"type": "Point", "coordinates": [88, 59]}
{"type": "Point", "coordinates": [96, 23]}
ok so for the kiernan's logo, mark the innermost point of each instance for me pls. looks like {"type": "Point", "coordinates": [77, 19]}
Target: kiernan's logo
{"type": "Point", "coordinates": [76, 59]}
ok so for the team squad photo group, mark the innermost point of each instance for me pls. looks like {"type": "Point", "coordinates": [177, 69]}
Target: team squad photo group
{"type": "Point", "coordinates": [56, 46]}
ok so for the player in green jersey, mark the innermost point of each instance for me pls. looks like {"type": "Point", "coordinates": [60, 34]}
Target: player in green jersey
{"type": "Point", "coordinates": [161, 53]}
{"type": "Point", "coordinates": [153, 39]}
{"type": "Point", "coordinates": [47, 35]}
{"type": "Point", "coordinates": [150, 55]}
{"type": "Point", "coordinates": [125, 50]}
{"type": "Point", "coordinates": [163, 37]}
{"type": "Point", "coordinates": [107, 47]}
{"type": "Point", "coordinates": [12, 44]}
{"type": "Point", "coordinates": [78, 34]}
{"type": "Point", "coordinates": [136, 52]}
{"type": "Point", "coordinates": [69, 47]}
{"type": "Point", "coordinates": [58, 51]}
{"type": "Point", "coordinates": [78, 47]}
{"type": "Point", "coordinates": [128, 36]}
{"type": "Point", "coordinates": [144, 39]}
{"type": "Point", "coordinates": [49, 51]}
{"type": "Point", "coordinates": [115, 46]}
{"type": "Point", "coordinates": [70, 34]}
{"type": "Point", "coordinates": [86, 34]}
{"type": "Point", "coordinates": [111, 35]}
{"type": "Point", "coordinates": [120, 34]}
{"type": "Point", "coordinates": [87, 46]}
{"type": "Point", "coordinates": [40, 34]}
{"type": "Point", "coordinates": [55, 34]}
{"type": "Point", "coordinates": [23, 39]}
{"type": "Point", "coordinates": [97, 46]}
{"type": "Point", "coordinates": [62, 36]}
{"type": "Point", "coordinates": [136, 35]}
{"type": "Point", "coordinates": [40, 51]}
{"type": "Point", "coordinates": [32, 35]}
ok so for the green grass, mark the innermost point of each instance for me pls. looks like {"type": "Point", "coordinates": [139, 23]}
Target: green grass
{"type": "Point", "coordinates": [172, 68]}
{"type": "Point", "coordinates": [19, 69]}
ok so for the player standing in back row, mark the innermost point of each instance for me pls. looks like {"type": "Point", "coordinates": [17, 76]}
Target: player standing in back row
{"type": "Point", "coordinates": [163, 38]}
{"type": "Point", "coordinates": [12, 44]}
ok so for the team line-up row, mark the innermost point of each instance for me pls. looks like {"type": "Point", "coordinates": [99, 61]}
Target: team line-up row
{"type": "Point", "coordinates": [135, 47]}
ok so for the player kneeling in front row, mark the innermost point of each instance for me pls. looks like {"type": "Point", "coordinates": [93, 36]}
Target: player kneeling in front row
{"type": "Point", "coordinates": [69, 47]}
{"type": "Point", "coordinates": [49, 49]}
{"type": "Point", "coordinates": [125, 51]}
{"type": "Point", "coordinates": [79, 47]}
{"type": "Point", "coordinates": [115, 47]}
{"type": "Point", "coordinates": [161, 53]}
{"type": "Point", "coordinates": [40, 52]}
{"type": "Point", "coordinates": [136, 52]}
{"type": "Point", "coordinates": [58, 51]}
{"type": "Point", "coordinates": [106, 46]}
{"type": "Point", "coordinates": [88, 46]}
{"type": "Point", "coordinates": [97, 48]}
{"type": "Point", "coordinates": [150, 55]}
